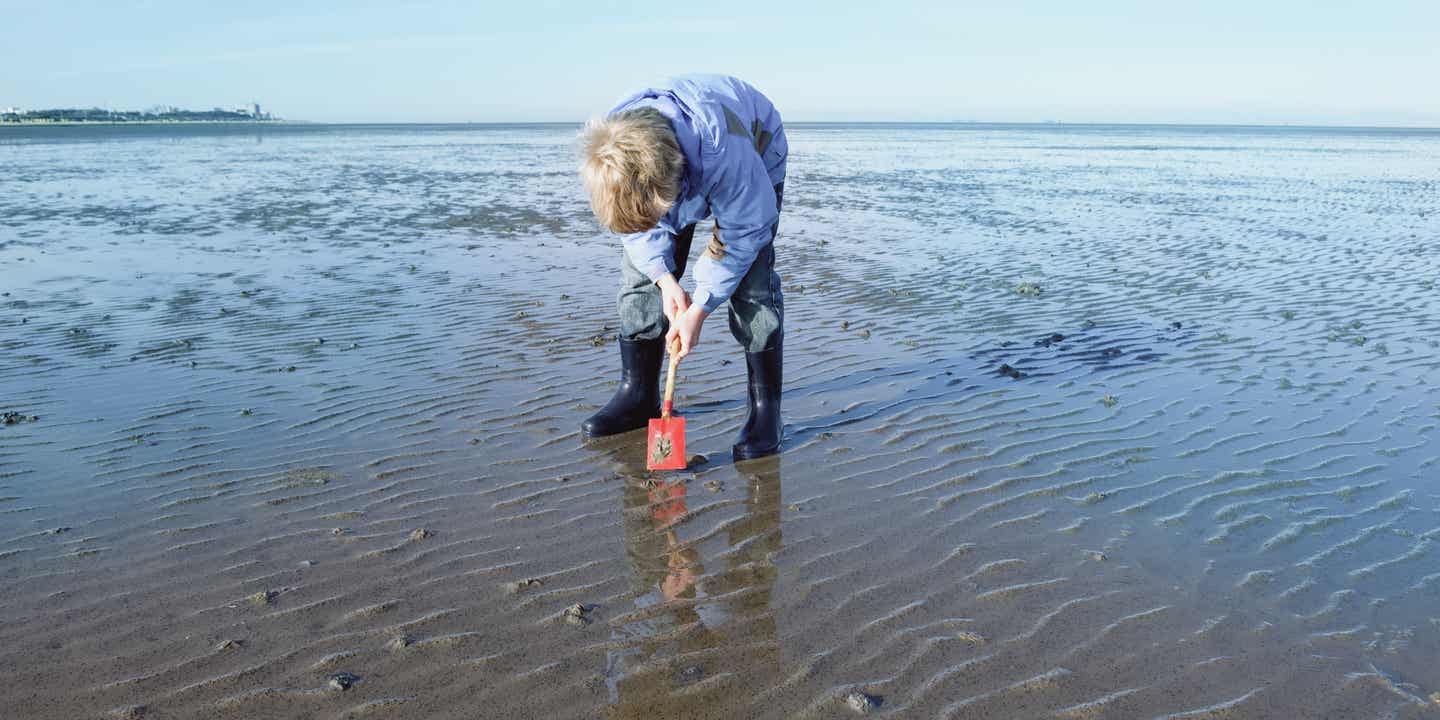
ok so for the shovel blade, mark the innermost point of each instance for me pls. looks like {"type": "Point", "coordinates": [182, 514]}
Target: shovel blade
{"type": "Point", "coordinates": [665, 444]}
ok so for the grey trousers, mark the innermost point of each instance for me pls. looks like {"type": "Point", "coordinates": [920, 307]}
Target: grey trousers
{"type": "Point", "coordinates": [757, 309]}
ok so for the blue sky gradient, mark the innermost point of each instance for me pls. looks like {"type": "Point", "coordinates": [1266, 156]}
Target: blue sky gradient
{"type": "Point", "coordinates": [1223, 61]}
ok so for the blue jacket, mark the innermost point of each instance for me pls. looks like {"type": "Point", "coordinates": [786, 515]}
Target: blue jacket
{"type": "Point", "coordinates": [735, 153]}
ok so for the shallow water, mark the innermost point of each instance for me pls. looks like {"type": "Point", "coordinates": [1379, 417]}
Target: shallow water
{"type": "Point", "coordinates": [262, 359]}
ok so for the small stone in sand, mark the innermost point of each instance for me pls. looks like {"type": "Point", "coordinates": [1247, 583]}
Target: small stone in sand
{"type": "Point", "coordinates": [1030, 289]}
{"type": "Point", "coordinates": [1109, 400]}
{"type": "Point", "coordinates": [264, 597]}
{"type": "Point", "coordinates": [518, 585]}
{"type": "Point", "coordinates": [714, 486]}
{"type": "Point", "coordinates": [862, 702]}
{"type": "Point", "coordinates": [865, 334]}
{"type": "Point", "coordinates": [844, 324]}
{"type": "Point", "coordinates": [398, 643]}
{"type": "Point", "coordinates": [128, 712]}
{"type": "Point", "coordinates": [1008, 371]}
{"type": "Point", "coordinates": [420, 534]}
{"type": "Point", "coordinates": [307, 563]}
{"type": "Point", "coordinates": [57, 531]}
{"type": "Point", "coordinates": [1096, 555]}
{"type": "Point", "coordinates": [340, 531]}
{"type": "Point", "coordinates": [578, 614]}
{"type": "Point", "coordinates": [973, 638]}
{"type": "Point", "coordinates": [342, 681]}
{"type": "Point", "coordinates": [247, 411]}
{"type": "Point", "coordinates": [697, 460]}
{"type": "Point", "coordinates": [12, 418]}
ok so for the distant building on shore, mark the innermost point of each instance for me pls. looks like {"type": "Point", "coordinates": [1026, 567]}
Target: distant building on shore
{"type": "Point", "coordinates": [253, 110]}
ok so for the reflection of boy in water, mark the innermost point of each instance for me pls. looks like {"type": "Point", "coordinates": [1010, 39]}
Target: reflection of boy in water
{"type": "Point", "coordinates": [717, 623]}
{"type": "Point", "coordinates": [667, 507]}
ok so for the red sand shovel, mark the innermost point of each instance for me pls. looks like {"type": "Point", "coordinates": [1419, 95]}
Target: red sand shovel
{"type": "Point", "coordinates": [666, 447]}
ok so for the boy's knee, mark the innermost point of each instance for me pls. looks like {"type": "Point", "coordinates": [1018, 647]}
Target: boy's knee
{"type": "Point", "coordinates": [641, 317]}
{"type": "Point", "coordinates": [756, 322]}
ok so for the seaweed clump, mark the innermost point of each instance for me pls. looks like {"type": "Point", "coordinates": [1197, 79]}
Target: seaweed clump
{"type": "Point", "coordinates": [10, 417]}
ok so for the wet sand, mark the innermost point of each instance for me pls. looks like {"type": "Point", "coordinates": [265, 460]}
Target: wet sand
{"type": "Point", "coordinates": [1081, 423]}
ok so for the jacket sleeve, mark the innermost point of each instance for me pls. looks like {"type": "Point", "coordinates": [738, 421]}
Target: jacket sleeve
{"type": "Point", "coordinates": [651, 252]}
{"type": "Point", "coordinates": [743, 202]}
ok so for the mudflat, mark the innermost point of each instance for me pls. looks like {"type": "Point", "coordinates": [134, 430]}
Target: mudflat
{"type": "Point", "coordinates": [1082, 422]}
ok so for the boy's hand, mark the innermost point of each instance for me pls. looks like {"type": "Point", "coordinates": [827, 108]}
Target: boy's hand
{"type": "Point", "coordinates": [673, 299]}
{"type": "Point", "coordinates": [687, 327]}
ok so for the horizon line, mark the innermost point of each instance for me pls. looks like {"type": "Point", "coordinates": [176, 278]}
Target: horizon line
{"type": "Point", "coordinates": [1085, 123]}
{"type": "Point", "coordinates": [571, 123]}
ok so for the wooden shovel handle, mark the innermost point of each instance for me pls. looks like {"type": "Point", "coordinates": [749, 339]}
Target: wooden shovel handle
{"type": "Point", "coordinates": [670, 378]}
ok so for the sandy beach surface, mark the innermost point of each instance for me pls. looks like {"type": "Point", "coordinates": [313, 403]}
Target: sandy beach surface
{"type": "Point", "coordinates": [1082, 422]}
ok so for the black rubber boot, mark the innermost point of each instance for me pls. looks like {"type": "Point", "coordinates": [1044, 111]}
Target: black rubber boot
{"type": "Point", "coordinates": [638, 397]}
{"type": "Point", "coordinates": [761, 434]}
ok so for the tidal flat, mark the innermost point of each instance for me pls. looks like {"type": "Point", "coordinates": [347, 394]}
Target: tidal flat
{"type": "Point", "coordinates": [1081, 422]}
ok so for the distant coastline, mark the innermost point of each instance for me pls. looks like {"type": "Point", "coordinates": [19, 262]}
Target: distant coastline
{"type": "Point", "coordinates": [160, 115]}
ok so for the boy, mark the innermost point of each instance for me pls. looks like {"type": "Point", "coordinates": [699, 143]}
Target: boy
{"type": "Point", "coordinates": [664, 159]}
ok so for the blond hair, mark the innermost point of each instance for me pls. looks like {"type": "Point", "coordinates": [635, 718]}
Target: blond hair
{"type": "Point", "coordinates": [631, 165]}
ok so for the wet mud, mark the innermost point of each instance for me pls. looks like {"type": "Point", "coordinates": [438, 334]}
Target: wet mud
{"type": "Point", "coordinates": [1080, 423]}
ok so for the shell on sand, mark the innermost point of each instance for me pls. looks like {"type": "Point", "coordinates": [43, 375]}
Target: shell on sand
{"type": "Point", "coordinates": [861, 701]}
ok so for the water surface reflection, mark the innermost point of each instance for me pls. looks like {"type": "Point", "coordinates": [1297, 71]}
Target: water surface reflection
{"type": "Point", "coordinates": [703, 621]}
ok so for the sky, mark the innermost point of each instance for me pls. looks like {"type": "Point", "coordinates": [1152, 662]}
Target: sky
{"type": "Point", "coordinates": [1221, 61]}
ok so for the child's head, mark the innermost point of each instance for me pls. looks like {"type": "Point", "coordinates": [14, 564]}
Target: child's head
{"type": "Point", "coordinates": [631, 167]}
